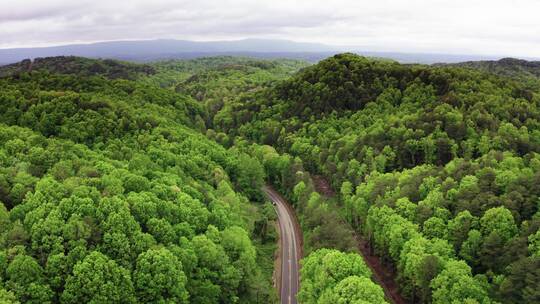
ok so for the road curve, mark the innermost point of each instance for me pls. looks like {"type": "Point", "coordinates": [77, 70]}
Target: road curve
{"type": "Point", "coordinates": [291, 247]}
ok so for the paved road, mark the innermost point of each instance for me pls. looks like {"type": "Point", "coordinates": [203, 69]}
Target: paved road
{"type": "Point", "coordinates": [290, 247]}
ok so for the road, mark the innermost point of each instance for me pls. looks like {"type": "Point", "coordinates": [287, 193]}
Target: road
{"type": "Point", "coordinates": [291, 247]}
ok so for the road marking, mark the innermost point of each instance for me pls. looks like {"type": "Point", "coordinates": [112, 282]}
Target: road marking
{"type": "Point", "coordinates": [289, 255]}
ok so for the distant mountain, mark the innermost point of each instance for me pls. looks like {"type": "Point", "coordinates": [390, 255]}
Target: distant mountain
{"type": "Point", "coordinates": [165, 49]}
{"type": "Point", "coordinates": [151, 50]}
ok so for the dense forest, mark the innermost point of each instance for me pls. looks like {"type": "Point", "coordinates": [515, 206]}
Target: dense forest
{"type": "Point", "coordinates": [122, 182]}
{"type": "Point", "coordinates": [437, 167]}
{"type": "Point", "coordinates": [109, 193]}
{"type": "Point", "coordinates": [523, 71]}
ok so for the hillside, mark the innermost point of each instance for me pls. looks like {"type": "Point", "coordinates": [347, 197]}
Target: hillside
{"type": "Point", "coordinates": [504, 67]}
{"type": "Point", "coordinates": [113, 173]}
{"type": "Point", "coordinates": [526, 72]}
{"type": "Point", "coordinates": [79, 66]}
{"type": "Point", "coordinates": [437, 169]}
{"type": "Point", "coordinates": [109, 193]}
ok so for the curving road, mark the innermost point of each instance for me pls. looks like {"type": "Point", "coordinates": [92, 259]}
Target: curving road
{"type": "Point", "coordinates": [291, 247]}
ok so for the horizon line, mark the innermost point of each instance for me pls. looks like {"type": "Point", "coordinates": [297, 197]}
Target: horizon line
{"type": "Point", "coordinates": [339, 48]}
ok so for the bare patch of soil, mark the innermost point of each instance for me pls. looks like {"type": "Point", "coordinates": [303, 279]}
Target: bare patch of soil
{"type": "Point", "coordinates": [383, 274]}
{"type": "Point", "coordinates": [322, 186]}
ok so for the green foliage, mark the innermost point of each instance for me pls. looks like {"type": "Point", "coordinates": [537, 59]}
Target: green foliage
{"type": "Point", "coordinates": [98, 279]}
{"type": "Point", "coordinates": [522, 283]}
{"type": "Point", "coordinates": [7, 297]}
{"type": "Point", "coordinates": [26, 280]}
{"type": "Point", "coordinates": [526, 72]}
{"type": "Point", "coordinates": [435, 163]}
{"type": "Point", "coordinates": [330, 276]}
{"type": "Point", "coordinates": [217, 81]}
{"type": "Point", "coordinates": [109, 193]}
{"type": "Point", "coordinates": [500, 221]}
{"type": "Point", "coordinates": [158, 277]}
{"type": "Point", "coordinates": [455, 285]}
{"type": "Point", "coordinates": [355, 289]}
{"type": "Point", "coordinates": [111, 69]}
{"type": "Point", "coordinates": [534, 244]}
{"type": "Point", "coordinates": [250, 176]}
{"type": "Point", "coordinates": [107, 184]}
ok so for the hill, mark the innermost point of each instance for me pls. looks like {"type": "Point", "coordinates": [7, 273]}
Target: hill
{"type": "Point", "coordinates": [105, 170]}
{"type": "Point", "coordinates": [109, 193]}
{"type": "Point", "coordinates": [527, 72]}
{"type": "Point", "coordinates": [437, 169]}
{"type": "Point", "coordinates": [505, 67]}
{"type": "Point", "coordinates": [78, 65]}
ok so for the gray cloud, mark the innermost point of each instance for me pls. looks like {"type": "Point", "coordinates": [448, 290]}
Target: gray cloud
{"type": "Point", "coordinates": [498, 27]}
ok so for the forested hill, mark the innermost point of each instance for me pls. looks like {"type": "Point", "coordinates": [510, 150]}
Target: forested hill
{"type": "Point", "coordinates": [109, 193]}
{"type": "Point", "coordinates": [349, 82]}
{"type": "Point", "coordinates": [526, 72]}
{"type": "Point", "coordinates": [215, 81]}
{"type": "Point", "coordinates": [80, 66]}
{"type": "Point", "coordinates": [505, 67]}
{"type": "Point", "coordinates": [438, 169]}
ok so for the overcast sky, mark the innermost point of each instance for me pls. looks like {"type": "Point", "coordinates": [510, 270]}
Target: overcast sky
{"type": "Point", "coordinates": [487, 27]}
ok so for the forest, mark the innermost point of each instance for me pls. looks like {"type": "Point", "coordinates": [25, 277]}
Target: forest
{"type": "Point", "coordinates": [111, 194]}
{"type": "Point", "coordinates": [437, 167]}
{"type": "Point", "coordinates": [141, 183]}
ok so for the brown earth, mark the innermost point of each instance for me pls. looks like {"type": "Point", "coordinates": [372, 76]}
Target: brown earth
{"type": "Point", "coordinates": [322, 186]}
{"type": "Point", "coordinates": [383, 274]}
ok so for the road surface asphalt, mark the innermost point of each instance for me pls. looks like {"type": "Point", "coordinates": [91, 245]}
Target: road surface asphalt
{"type": "Point", "coordinates": [290, 247]}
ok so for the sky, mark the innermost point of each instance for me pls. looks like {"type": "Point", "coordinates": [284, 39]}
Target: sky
{"type": "Point", "coordinates": [479, 27]}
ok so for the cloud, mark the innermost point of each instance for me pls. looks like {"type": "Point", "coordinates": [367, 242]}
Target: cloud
{"type": "Point", "coordinates": [507, 27]}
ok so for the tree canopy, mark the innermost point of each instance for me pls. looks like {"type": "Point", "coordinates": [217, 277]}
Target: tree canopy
{"type": "Point", "coordinates": [438, 166]}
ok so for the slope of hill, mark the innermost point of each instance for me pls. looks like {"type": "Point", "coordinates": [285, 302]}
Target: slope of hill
{"type": "Point", "coordinates": [438, 169]}
{"type": "Point", "coordinates": [78, 65]}
{"type": "Point", "coordinates": [523, 71]}
{"type": "Point", "coordinates": [110, 194]}
{"type": "Point", "coordinates": [505, 67]}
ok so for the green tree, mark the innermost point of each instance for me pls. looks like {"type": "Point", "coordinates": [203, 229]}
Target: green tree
{"type": "Point", "coordinates": [499, 220]}
{"type": "Point", "coordinates": [325, 268]}
{"type": "Point", "coordinates": [26, 279]}
{"type": "Point", "coordinates": [521, 284]}
{"type": "Point", "coordinates": [354, 289]}
{"type": "Point", "coordinates": [158, 278]}
{"type": "Point", "coordinates": [7, 297]}
{"type": "Point", "coordinates": [534, 244]}
{"type": "Point", "coordinates": [98, 279]}
{"type": "Point", "coordinates": [470, 250]}
{"type": "Point", "coordinates": [435, 227]}
{"type": "Point", "coordinates": [459, 227]}
{"type": "Point", "coordinates": [250, 176]}
{"type": "Point", "coordinates": [455, 284]}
